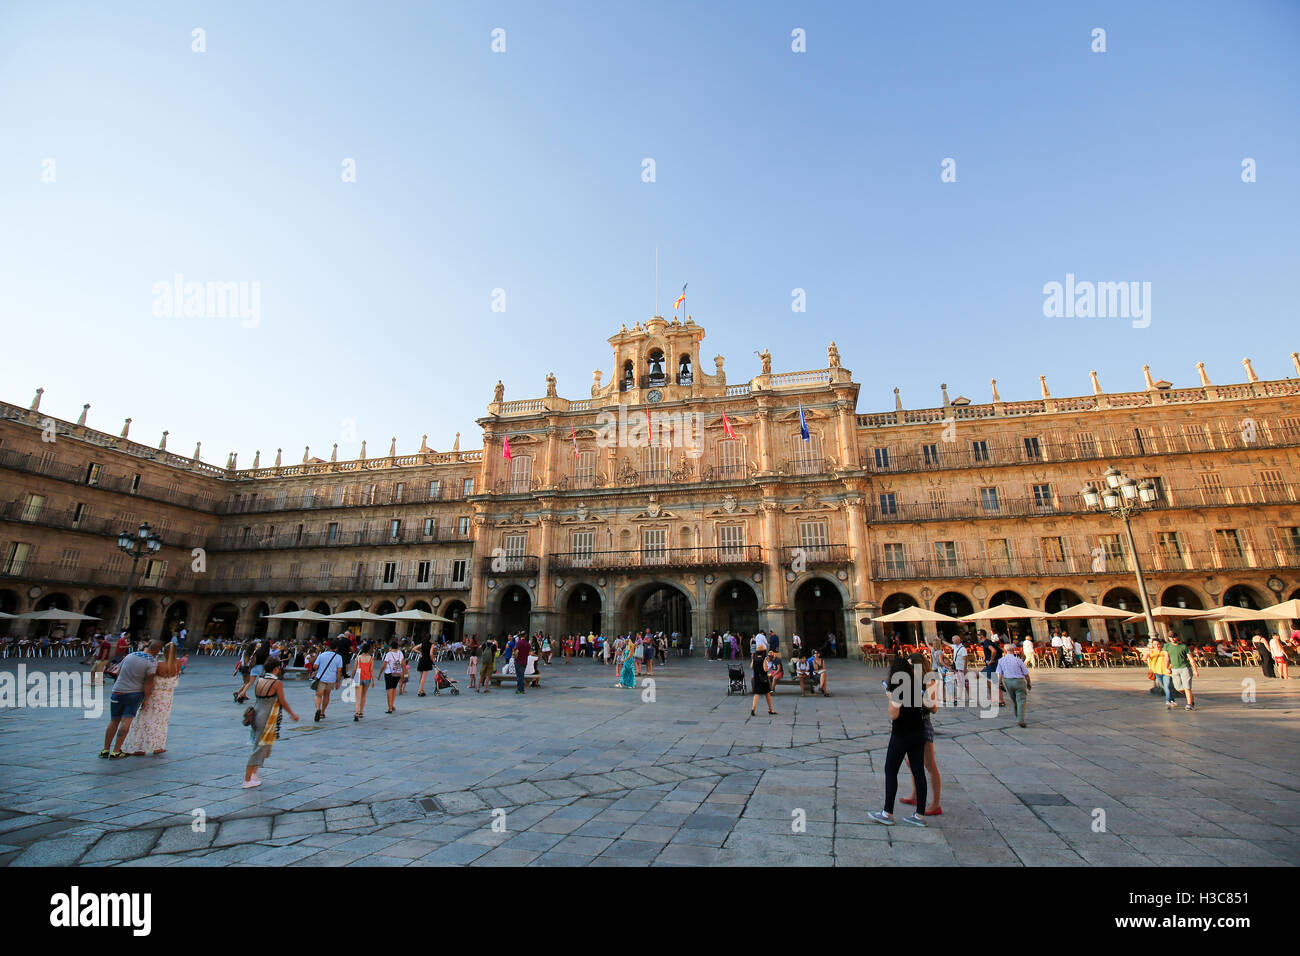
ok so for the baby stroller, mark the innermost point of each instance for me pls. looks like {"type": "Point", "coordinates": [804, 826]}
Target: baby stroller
{"type": "Point", "coordinates": [735, 679]}
{"type": "Point", "coordinates": [442, 682]}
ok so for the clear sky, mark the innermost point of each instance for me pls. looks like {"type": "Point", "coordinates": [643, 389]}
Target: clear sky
{"type": "Point", "coordinates": [522, 171]}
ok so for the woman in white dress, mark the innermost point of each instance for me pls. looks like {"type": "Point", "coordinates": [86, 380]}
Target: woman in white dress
{"type": "Point", "coordinates": [148, 733]}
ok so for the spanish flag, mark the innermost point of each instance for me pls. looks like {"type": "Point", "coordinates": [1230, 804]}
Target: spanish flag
{"type": "Point", "coordinates": [680, 299]}
{"type": "Point", "coordinates": [505, 450]}
{"type": "Point", "coordinates": [574, 433]}
{"type": "Point", "coordinates": [726, 426]}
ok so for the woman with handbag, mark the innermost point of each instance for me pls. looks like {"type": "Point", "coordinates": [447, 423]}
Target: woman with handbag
{"type": "Point", "coordinates": [263, 719]}
{"type": "Point", "coordinates": [394, 666]}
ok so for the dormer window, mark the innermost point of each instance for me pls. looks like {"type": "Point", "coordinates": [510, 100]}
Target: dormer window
{"type": "Point", "coordinates": [684, 376]}
{"type": "Point", "coordinates": [657, 376]}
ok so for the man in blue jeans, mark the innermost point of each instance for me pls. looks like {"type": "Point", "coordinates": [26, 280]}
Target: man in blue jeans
{"type": "Point", "coordinates": [130, 690]}
{"type": "Point", "coordinates": [522, 650]}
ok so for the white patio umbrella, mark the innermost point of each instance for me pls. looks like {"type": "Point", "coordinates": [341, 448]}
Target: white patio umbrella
{"type": "Point", "coordinates": [1005, 612]}
{"type": "Point", "coordinates": [358, 616]}
{"type": "Point", "coordinates": [1289, 609]}
{"type": "Point", "coordinates": [54, 614]}
{"type": "Point", "coordinates": [1231, 612]}
{"type": "Point", "coordinates": [1085, 609]}
{"type": "Point", "coordinates": [415, 615]}
{"type": "Point", "coordinates": [302, 615]}
{"type": "Point", "coordinates": [915, 615]}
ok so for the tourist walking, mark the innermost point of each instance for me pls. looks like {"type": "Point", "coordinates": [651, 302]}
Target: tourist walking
{"type": "Point", "coordinates": [363, 678]}
{"type": "Point", "coordinates": [1015, 675]}
{"type": "Point", "coordinates": [992, 651]}
{"type": "Point", "coordinates": [909, 700]}
{"type": "Point", "coordinates": [959, 654]}
{"type": "Point", "coordinates": [762, 685]}
{"type": "Point", "coordinates": [264, 729]}
{"type": "Point", "coordinates": [627, 671]}
{"type": "Point", "coordinates": [487, 659]}
{"type": "Point", "coordinates": [148, 732]}
{"type": "Point", "coordinates": [130, 692]}
{"type": "Point", "coordinates": [1181, 669]}
{"type": "Point", "coordinates": [648, 654]}
{"type": "Point", "coordinates": [244, 667]}
{"type": "Point", "coordinates": [1279, 658]}
{"type": "Point", "coordinates": [931, 765]}
{"type": "Point", "coordinates": [329, 667]}
{"type": "Point", "coordinates": [522, 650]}
{"type": "Point", "coordinates": [426, 661]}
{"type": "Point", "coordinates": [393, 668]}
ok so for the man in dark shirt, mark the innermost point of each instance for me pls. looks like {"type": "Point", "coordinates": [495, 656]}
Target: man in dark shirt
{"type": "Point", "coordinates": [522, 650]}
{"type": "Point", "coordinates": [992, 651]}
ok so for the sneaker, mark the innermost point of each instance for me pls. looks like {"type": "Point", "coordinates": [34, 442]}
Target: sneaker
{"type": "Point", "coordinates": [1190, 707]}
{"type": "Point", "coordinates": [915, 819]}
{"type": "Point", "coordinates": [254, 781]}
{"type": "Point", "coordinates": [880, 816]}
{"type": "Point", "coordinates": [1169, 703]}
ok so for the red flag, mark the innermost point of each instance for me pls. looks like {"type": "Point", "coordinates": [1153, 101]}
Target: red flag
{"type": "Point", "coordinates": [505, 450]}
{"type": "Point", "coordinates": [574, 433]}
{"type": "Point", "coordinates": [726, 426]}
{"type": "Point", "coordinates": [650, 426]}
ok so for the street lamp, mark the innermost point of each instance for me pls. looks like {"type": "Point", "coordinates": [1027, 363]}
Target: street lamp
{"type": "Point", "coordinates": [137, 544]}
{"type": "Point", "coordinates": [1121, 496]}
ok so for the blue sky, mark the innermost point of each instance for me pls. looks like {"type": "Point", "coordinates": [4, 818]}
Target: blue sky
{"type": "Point", "coordinates": [522, 171]}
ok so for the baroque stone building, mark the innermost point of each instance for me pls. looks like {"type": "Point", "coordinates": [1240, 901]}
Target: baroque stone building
{"type": "Point", "coordinates": [671, 499]}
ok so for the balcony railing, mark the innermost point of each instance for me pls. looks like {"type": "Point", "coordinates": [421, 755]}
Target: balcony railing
{"type": "Point", "coordinates": [722, 556]}
{"type": "Point", "coordinates": [93, 577]}
{"type": "Point", "coordinates": [307, 501]}
{"type": "Point", "coordinates": [78, 474]}
{"type": "Point", "coordinates": [1066, 504]}
{"type": "Point", "coordinates": [1219, 436]}
{"type": "Point", "coordinates": [67, 520]}
{"type": "Point", "coordinates": [375, 537]}
{"type": "Point", "coordinates": [884, 568]}
{"type": "Point", "coordinates": [817, 555]}
{"type": "Point", "coordinates": [309, 584]}
{"type": "Point", "coordinates": [510, 564]}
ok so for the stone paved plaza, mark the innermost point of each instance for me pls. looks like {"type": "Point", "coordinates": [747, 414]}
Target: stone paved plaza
{"type": "Point", "coordinates": [590, 774]}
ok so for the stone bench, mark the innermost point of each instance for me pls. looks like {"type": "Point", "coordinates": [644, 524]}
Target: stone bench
{"type": "Point", "coordinates": [531, 680]}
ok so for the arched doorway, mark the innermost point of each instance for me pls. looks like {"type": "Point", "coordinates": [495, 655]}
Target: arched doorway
{"type": "Point", "coordinates": [455, 631]}
{"type": "Point", "coordinates": [140, 620]}
{"type": "Point", "coordinates": [819, 613]}
{"type": "Point", "coordinates": [954, 604]}
{"type": "Point", "coordinates": [261, 626]}
{"type": "Point", "coordinates": [176, 618]}
{"type": "Point", "coordinates": [1243, 595]}
{"type": "Point", "coordinates": [1016, 627]}
{"type": "Point", "coordinates": [321, 629]}
{"type": "Point", "coordinates": [582, 611]}
{"type": "Point", "coordinates": [383, 631]}
{"type": "Point", "coordinates": [287, 630]}
{"type": "Point", "coordinates": [657, 606]}
{"type": "Point", "coordinates": [901, 633]}
{"type": "Point", "coordinates": [735, 608]}
{"type": "Point", "coordinates": [9, 605]}
{"type": "Point", "coordinates": [1126, 600]}
{"type": "Point", "coordinates": [419, 630]}
{"type": "Point", "coordinates": [104, 608]}
{"type": "Point", "coordinates": [1184, 597]}
{"type": "Point", "coordinates": [222, 621]}
{"type": "Point", "coordinates": [1060, 600]}
{"type": "Point", "coordinates": [516, 610]}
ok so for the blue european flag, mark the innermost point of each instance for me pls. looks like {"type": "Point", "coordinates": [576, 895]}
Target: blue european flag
{"type": "Point", "coordinates": [803, 425]}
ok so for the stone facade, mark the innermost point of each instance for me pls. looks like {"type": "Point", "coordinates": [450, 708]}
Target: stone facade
{"type": "Point", "coordinates": [671, 498]}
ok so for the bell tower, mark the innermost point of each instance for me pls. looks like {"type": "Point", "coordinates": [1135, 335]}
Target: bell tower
{"type": "Point", "coordinates": [660, 362]}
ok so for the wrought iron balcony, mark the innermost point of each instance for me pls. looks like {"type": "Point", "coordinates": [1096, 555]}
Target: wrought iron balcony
{"type": "Point", "coordinates": [740, 555]}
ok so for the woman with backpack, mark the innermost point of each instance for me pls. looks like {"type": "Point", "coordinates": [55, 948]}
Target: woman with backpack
{"type": "Point", "coordinates": [245, 670]}
{"type": "Point", "coordinates": [762, 684]}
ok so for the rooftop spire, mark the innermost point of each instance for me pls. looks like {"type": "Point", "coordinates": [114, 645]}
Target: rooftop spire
{"type": "Point", "coordinates": [1096, 384]}
{"type": "Point", "coordinates": [1250, 371]}
{"type": "Point", "coordinates": [84, 408]}
{"type": "Point", "coordinates": [1151, 382]}
{"type": "Point", "coordinates": [162, 445]}
{"type": "Point", "coordinates": [36, 402]}
{"type": "Point", "coordinates": [898, 402]}
{"type": "Point", "coordinates": [1042, 386]}
{"type": "Point", "coordinates": [126, 427]}
{"type": "Point", "coordinates": [1200, 370]}
{"type": "Point", "coordinates": [993, 383]}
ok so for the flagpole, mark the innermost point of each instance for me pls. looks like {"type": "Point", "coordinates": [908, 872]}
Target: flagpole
{"type": "Point", "coordinates": [656, 280]}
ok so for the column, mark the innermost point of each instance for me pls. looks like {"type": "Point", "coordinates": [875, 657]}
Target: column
{"type": "Point", "coordinates": [775, 583]}
{"type": "Point", "coordinates": [764, 440]}
{"type": "Point", "coordinates": [545, 597]}
{"type": "Point", "coordinates": [848, 434]}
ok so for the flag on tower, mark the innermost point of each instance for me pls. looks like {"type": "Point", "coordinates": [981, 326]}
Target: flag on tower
{"type": "Point", "coordinates": [680, 299]}
{"type": "Point", "coordinates": [574, 433]}
{"type": "Point", "coordinates": [803, 425]}
{"type": "Point", "coordinates": [726, 426]}
{"type": "Point", "coordinates": [505, 450]}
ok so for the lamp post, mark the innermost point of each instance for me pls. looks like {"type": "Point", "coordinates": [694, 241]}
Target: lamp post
{"type": "Point", "coordinates": [137, 544]}
{"type": "Point", "coordinates": [1121, 496]}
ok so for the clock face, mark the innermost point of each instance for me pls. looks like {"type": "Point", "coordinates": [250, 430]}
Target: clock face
{"type": "Point", "coordinates": [655, 396]}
